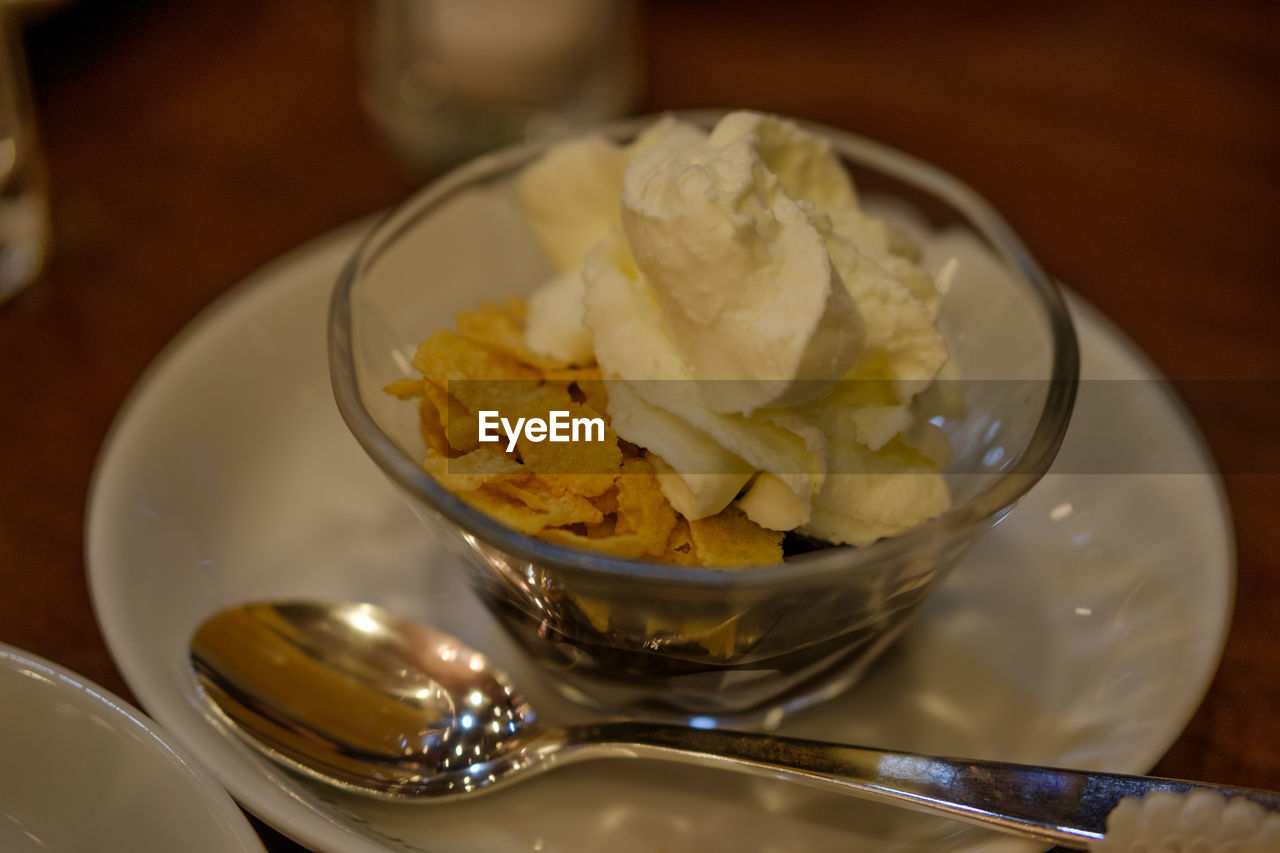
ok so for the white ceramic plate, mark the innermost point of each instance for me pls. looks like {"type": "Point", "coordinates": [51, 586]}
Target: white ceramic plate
{"type": "Point", "coordinates": [1081, 632]}
{"type": "Point", "coordinates": [80, 769]}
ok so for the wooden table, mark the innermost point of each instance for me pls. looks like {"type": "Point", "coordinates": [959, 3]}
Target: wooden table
{"type": "Point", "coordinates": [1136, 147]}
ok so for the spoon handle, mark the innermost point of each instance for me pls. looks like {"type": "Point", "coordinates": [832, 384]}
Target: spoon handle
{"type": "Point", "coordinates": [1063, 806]}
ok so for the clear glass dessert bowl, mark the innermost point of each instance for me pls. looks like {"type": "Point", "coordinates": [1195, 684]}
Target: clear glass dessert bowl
{"type": "Point", "coordinates": [740, 644]}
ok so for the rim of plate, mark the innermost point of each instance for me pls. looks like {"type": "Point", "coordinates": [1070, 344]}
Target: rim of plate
{"type": "Point", "coordinates": [169, 751]}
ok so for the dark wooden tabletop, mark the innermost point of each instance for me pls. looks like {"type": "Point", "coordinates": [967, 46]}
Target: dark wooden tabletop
{"type": "Point", "coordinates": [1135, 147]}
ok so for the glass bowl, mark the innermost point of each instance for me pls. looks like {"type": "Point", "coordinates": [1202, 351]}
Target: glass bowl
{"type": "Point", "coordinates": [747, 644]}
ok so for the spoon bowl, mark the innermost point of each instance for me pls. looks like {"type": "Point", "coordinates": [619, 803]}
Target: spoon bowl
{"type": "Point", "coordinates": [357, 697]}
{"type": "Point", "coordinates": [351, 694]}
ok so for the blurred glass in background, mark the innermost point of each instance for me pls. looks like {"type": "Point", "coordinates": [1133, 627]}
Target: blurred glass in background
{"type": "Point", "coordinates": [24, 202]}
{"type": "Point", "coordinates": [445, 80]}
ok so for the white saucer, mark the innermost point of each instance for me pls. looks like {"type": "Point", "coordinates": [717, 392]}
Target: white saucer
{"type": "Point", "coordinates": [1081, 632]}
{"type": "Point", "coordinates": [80, 769]}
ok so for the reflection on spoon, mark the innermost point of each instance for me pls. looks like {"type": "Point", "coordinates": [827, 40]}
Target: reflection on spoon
{"type": "Point", "coordinates": [354, 696]}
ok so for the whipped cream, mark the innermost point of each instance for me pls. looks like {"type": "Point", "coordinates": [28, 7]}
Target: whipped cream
{"type": "Point", "coordinates": [739, 264]}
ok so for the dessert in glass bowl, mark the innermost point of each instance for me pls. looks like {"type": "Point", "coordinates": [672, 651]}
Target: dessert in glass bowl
{"type": "Point", "coordinates": [762, 344]}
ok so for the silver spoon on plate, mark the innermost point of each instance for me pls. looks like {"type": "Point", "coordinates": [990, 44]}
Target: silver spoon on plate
{"type": "Point", "coordinates": [357, 697]}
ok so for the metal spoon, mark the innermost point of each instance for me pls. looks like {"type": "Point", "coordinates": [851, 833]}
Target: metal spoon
{"type": "Point", "coordinates": [354, 696]}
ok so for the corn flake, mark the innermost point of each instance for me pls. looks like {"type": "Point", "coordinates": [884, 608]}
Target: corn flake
{"type": "Point", "coordinates": [730, 539]}
{"type": "Point", "coordinates": [501, 327]}
{"type": "Point", "coordinates": [602, 496]}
